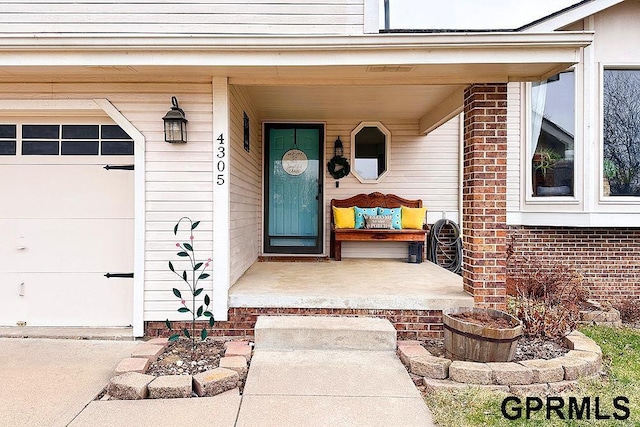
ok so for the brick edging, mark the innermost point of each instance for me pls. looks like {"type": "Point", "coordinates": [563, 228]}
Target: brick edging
{"type": "Point", "coordinates": [531, 376]}
{"type": "Point", "coordinates": [131, 382]}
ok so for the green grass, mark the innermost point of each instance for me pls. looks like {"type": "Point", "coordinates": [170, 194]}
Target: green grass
{"type": "Point", "coordinates": [621, 363]}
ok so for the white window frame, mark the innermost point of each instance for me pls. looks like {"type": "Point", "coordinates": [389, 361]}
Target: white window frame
{"type": "Point", "coordinates": [578, 148]}
{"type": "Point", "coordinates": [387, 148]}
{"type": "Point", "coordinates": [603, 200]}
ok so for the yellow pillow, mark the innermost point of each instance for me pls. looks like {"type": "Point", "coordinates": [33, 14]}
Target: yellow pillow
{"type": "Point", "coordinates": [344, 217]}
{"type": "Point", "coordinates": [413, 217]}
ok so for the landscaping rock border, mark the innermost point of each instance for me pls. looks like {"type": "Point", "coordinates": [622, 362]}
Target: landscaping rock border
{"type": "Point", "coordinates": [600, 315]}
{"type": "Point", "coordinates": [131, 383]}
{"type": "Point", "coordinates": [537, 376]}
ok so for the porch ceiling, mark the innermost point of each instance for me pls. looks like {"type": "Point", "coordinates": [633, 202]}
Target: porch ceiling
{"type": "Point", "coordinates": [404, 102]}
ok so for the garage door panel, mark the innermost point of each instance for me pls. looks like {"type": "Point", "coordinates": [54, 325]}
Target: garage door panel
{"type": "Point", "coordinates": [12, 305]}
{"type": "Point", "coordinates": [65, 221]}
{"type": "Point", "coordinates": [77, 299]}
{"type": "Point", "coordinates": [66, 245]}
{"type": "Point", "coordinates": [65, 191]}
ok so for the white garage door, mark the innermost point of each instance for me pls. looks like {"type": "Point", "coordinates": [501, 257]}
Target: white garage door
{"type": "Point", "coordinates": [65, 222]}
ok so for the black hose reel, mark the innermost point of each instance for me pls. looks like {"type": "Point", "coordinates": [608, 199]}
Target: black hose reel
{"type": "Point", "coordinates": [444, 246]}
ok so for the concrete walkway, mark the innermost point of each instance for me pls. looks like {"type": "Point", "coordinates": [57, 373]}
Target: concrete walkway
{"type": "Point", "coordinates": [218, 411]}
{"type": "Point", "coordinates": [354, 379]}
{"type": "Point", "coordinates": [328, 371]}
{"type": "Point", "coordinates": [330, 388]}
{"type": "Point", "coordinates": [47, 382]}
{"type": "Point", "coordinates": [288, 388]}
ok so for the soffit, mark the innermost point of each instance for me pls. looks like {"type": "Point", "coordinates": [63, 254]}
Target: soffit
{"type": "Point", "coordinates": [407, 102]}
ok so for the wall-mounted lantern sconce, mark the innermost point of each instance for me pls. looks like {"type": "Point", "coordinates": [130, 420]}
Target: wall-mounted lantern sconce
{"type": "Point", "coordinates": [337, 148]}
{"type": "Point", "coordinates": [338, 166]}
{"type": "Point", "coordinates": [175, 124]}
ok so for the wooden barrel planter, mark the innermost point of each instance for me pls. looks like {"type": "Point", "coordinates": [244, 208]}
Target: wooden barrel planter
{"type": "Point", "coordinates": [464, 340]}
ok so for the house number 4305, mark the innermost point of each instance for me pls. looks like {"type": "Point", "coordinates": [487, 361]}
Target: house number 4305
{"type": "Point", "coordinates": [222, 164]}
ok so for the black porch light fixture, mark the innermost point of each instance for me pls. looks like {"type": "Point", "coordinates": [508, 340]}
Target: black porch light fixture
{"type": "Point", "coordinates": [175, 124]}
{"type": "Point", "coordinates": [338, 150]}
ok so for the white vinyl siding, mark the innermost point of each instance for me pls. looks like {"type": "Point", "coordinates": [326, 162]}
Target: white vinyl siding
{"type": "Point", "coordinates": [246, 185]}
{"type": "Point", "coordinates": [422, 167]}
{"type": "Point", "coordinates": [615, 28]}
{"type": "Point", "coordinates": [179, 182]}
{"type": "Point", "coordinates": [339, 17]}
{"type": "Point", "coordinates": [179, 177]}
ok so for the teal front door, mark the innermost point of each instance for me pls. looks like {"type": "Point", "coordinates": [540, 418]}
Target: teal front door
{"type": "Point", "coordinates": [293, 188]}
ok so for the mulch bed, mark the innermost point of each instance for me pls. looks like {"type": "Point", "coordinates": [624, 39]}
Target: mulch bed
{"type": "Point", "coordinates": [483, 319]}
{"type": "Point", "coordinates": [528, 349]}
{"type": "Point", "coordinates": [182, 357]}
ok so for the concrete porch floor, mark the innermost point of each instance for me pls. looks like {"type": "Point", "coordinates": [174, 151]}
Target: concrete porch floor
{"type": "Point", "coordinates": [391, 284]}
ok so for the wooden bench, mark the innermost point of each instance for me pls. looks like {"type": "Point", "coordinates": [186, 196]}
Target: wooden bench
{"type": "Point", "coordinates": [339, 235]}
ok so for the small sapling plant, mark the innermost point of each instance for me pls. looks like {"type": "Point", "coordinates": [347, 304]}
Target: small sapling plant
{"type": "Point", "coordinates": [191, 276]}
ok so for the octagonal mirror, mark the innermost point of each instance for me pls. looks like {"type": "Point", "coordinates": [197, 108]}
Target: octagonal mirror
{"type": "Point", "coordinates": [371, 143]}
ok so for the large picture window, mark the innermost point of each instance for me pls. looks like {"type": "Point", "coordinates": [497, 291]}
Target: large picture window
{"type": "Point", "coordinates": [551, 152]}
{"type": "Point", "coordinates": [621, 132]}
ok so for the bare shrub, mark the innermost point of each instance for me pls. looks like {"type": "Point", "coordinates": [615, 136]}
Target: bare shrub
{"type": "Point", "coordinates": [629, 309]}
{"type": "Point", "coordinates": [545, 295]}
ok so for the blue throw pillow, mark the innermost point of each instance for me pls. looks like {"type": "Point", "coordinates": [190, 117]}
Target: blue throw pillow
{"type": "Point", "coordinates": [396, 218]}
{"type": "Point", "coordinates": [361, 212]}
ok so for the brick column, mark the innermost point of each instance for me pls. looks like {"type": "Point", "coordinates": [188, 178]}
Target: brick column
{"type": "Point", "coordinates": [484, 190]}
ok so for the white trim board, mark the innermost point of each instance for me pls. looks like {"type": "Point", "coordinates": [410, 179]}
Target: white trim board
{"type": "Point", "coordinates": [574, 219]}
{"type": "Point", "coordinates": [221, 148]}
{"type": "Point", "coordinates": [570, 16]}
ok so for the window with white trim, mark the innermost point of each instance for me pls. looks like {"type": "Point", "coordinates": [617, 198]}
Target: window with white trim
{"type": "Point", "coordinates": [621, 132]}
{"type": "Point", "coordinates": [552, 136]}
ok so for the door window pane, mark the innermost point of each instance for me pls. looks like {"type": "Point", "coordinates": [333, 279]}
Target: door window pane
{"type": "Point", "coordinates": [47, 148]}
{"type": "Point", "coordinates": [553, 135]}
{"type": "Point", "coordinates": [621, 133]}
{"type": "Point", "coordinates": [7, 148]}
{"type": "Point", "coordinates": [114, 132]}
{"type": "Point", "coordinates": [40, 131]}
{"type": "Point", "coordinates": [87, 148]}
{"type": "Point", "coordinates": [80, 132]}
{"type": "Point", "coordinates": [7, 140]}
{"type": "Point", "coordinates": [117, 148]}
{"type": "Point", "coordinates": [7, 131]}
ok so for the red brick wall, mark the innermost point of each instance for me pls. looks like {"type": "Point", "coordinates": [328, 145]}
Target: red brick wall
{"type": "Point", "coordinates": [608, 257]}
{"type": "Point", "coordinates": [484, 192]}
{"type": "Point", "coordinates": [410, 324]}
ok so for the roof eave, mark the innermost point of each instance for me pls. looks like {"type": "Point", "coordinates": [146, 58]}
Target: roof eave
{"type": "Point", "coordinates": [262, 43]}
{"type": "Point", "coordinates": [568, 16]}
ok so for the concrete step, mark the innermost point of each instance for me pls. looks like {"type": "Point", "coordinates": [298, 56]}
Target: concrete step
{"type": "Point", "coordinates": [324, 333]}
